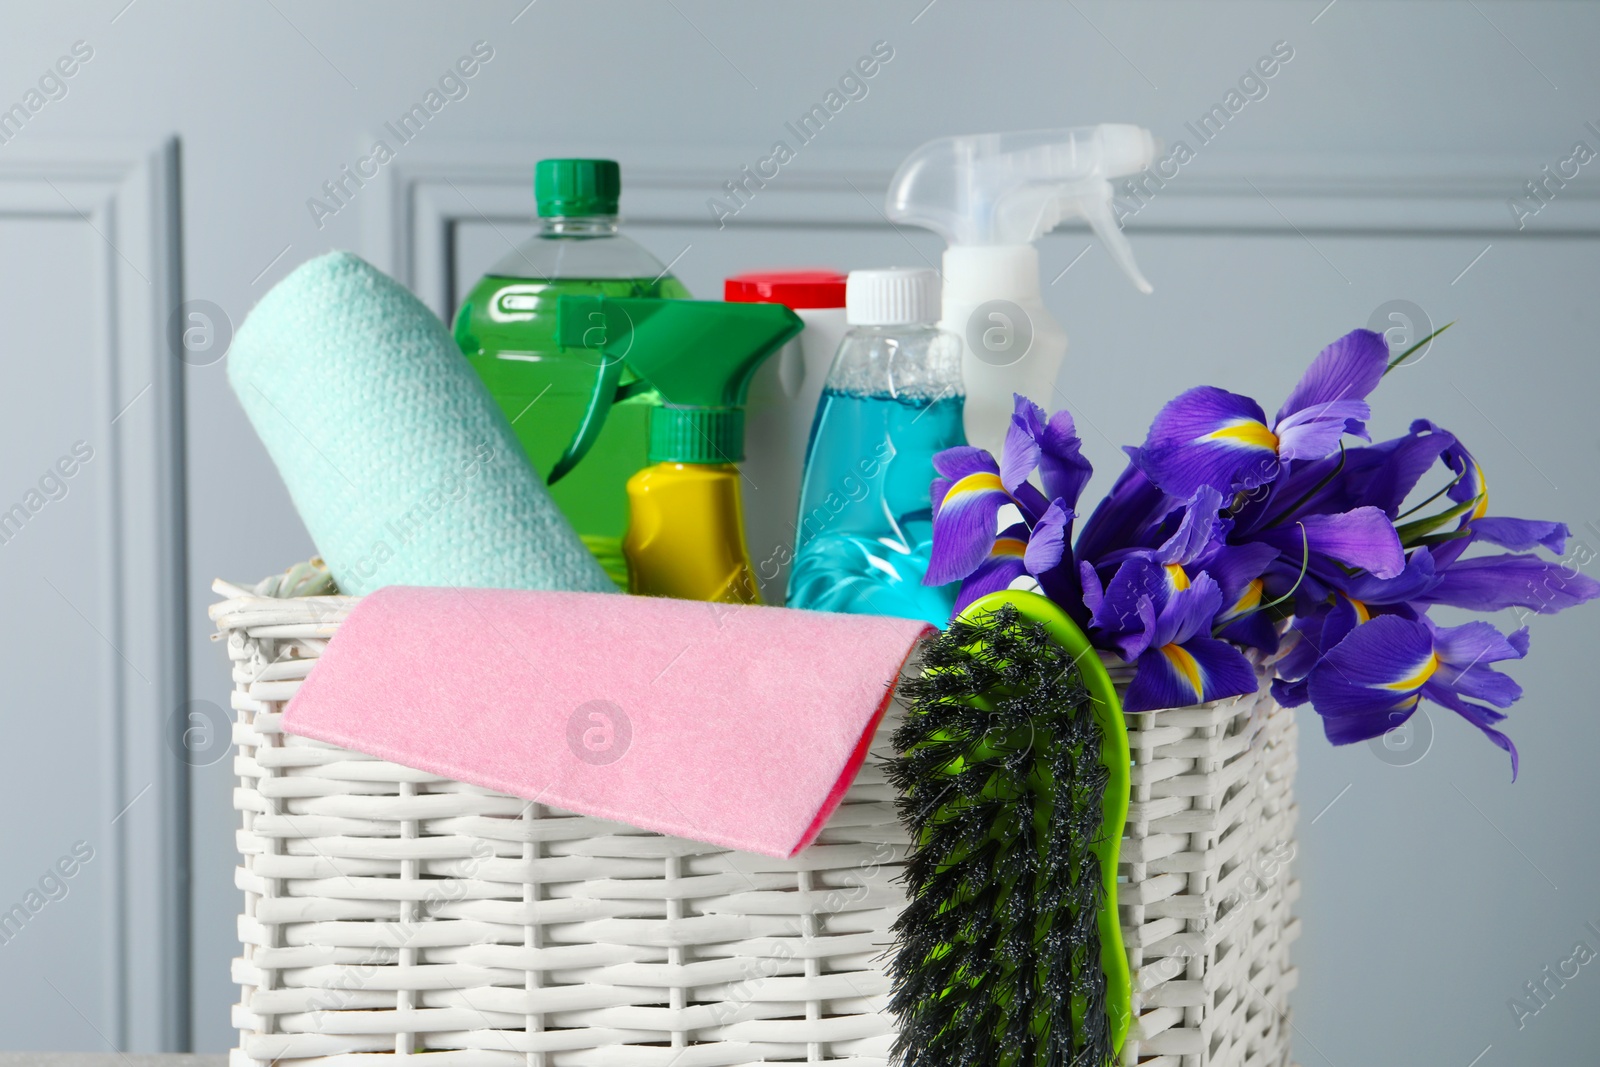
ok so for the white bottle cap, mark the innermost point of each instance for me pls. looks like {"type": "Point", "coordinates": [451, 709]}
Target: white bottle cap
{"type": "Point", "coordinates": [898, 296]}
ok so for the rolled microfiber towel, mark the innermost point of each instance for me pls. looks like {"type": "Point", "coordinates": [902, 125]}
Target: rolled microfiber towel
{"type": "Point", "coordinates": [737, 725]}
{"type": "Point", "coordinates": [402, 466]}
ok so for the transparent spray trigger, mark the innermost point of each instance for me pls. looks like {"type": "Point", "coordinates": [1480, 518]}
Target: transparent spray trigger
{"type": "Point", "coordinates": [1094, 204]}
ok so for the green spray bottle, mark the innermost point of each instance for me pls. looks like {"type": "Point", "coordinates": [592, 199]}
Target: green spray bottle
{"type": "Point", "coordinates": [685, 534]}
{"type": "Point", "coordinates": [506, 329]}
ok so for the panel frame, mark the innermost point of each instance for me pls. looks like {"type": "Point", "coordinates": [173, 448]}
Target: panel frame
{"type": "Point", "coordinates": [129, 193]}
{"type": "Point", "coordinates": [416, 201]}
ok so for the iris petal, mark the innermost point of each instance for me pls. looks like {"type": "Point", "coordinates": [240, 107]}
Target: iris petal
{"type": "Point", "coordinates": [963, 529]}
{"type": "Point", "coordinates": [1030, 501]}
{"type": "Point", "coordinates": [1400, 465]}
{"type": "Point", "coordinates": [1289, 694]}
{"type": "Point", "coordinates": [1122, 519]}
{"type": "Point", "coordinates": [1139, 586]}
{"type": "Point", "coordinates": [958, 462]}
{"type": "Point", "coordinates": [1306, 650]}
{"type": "Point", "coordinates": [1317, 431]}
{"type": "Point", "coordinates": [1063, 470]}
{"type": "Point", "coordinates": [1521, 535]}
{"type": "Point", "coordinates": [1470, 482]}
{"type": "Point", "coordinates": [1019, 456]}
{"type": "Point", "coordinates": [1247, 601]}
{"type": "Point", "coordinates": [1481, 683]}
{"type": "Point", "coordinates": [1199, 529]}
{"type": "Point", "coordinates": [1093, 592]}
{"type": "Point", "coordinates": [1348, 369]}
{"type": "Point", "coordinates": [1253, 630]}
{"type": "Point", "coordinates": [1246, 433]}
{"type": "Point", "coordinates": [1361, 674]}
{"type": "Point", "coordinates": [1482, 718]}
{"type": "Point", "coordinates": [1048, 543]}
{"type": "Point", "coordinates": [1199, 670]}
{"type": "Point", "coordinates": [1417, 578]}
{"type": "Point", "coordinates": [1382, 668]}
{"type": "Point", "coordinates": [1209, 436]}
{"type": "Point", "coordinates": [1235, 567]}
{"type": "Point", "coordinates": [1410, 683]}
{"type": "Point", "coordinates": [1476, 642]}
{"type": "Point", "coordinates": [1365, 725]}
{"type": "Point", "coordinates": [1189, 611]}
{"type": "Point", "coordinates": [1362, 537]}
{"type": "Point", "coordinates": [1492, 583]}
{"type": "Point", "coordinates": [1002, 566]}
{"type": "Point", "coordinates": [1049, 445]}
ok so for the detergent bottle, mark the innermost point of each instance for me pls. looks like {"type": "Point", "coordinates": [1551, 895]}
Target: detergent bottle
{"type": "Point", "coordinates": [990, 196]}
{"type": "Point", "coordinates": [685, 534]}
{"type": "Point", "coordinates": [507, 326]}
{"type": "Point", "coordinates": [783, 401]}
{"type": "Point", "coordinates": [892, 400]}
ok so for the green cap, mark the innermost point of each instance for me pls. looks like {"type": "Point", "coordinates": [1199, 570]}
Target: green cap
{"type": "Point", "coordinates": [576, 187]}
{"type": "Point", "coordinates": [698, 355]}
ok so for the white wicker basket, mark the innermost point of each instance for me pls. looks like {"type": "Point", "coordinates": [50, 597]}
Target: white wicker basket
{"type": "Point", "coordinates": [1206, 890]}
{"type": "Point", "coordinates": [388, 911]}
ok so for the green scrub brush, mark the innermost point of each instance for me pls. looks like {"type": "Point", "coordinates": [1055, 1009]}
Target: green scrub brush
{"type": "Point", "coordinates": [1013, 769]}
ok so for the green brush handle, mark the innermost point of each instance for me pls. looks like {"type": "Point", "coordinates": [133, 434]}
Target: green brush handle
{"type": "Point", "coordinates": [1114, 754]}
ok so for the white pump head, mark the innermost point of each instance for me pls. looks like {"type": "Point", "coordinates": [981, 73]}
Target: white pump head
{"type": "Point", "coordinates": [1012, 188]}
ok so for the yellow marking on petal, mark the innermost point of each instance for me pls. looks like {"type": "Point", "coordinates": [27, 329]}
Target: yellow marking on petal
{"type": "Point", "coordinates": [1362, 614]}
{"type": "Point", "coordinates": [1248, 600]}
{"type": "Point", "coordinates": [980, 482]}
{"type": "Point", "coordinates": [1483, 493]}
{"type": "Point", "coordinates": [1177, 577]}
{"type": "Point", "coordinates": [1009, 546]}
{"type": "Point", "coordinates": [1185, 665]}
{"type": "Point", "coordinates": [1415, 680]}
{"type": "Point", "coordinates": [1247, 432]}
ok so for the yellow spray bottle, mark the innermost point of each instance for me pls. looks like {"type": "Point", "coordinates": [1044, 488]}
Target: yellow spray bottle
{"type": "Point", "coordinates": [685, 524]}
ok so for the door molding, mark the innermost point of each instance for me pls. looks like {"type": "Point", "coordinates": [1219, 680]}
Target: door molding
{"type": "Point", "coordinates": [129, 194]}
{"type": "Point", "coordinates": [409, 214]}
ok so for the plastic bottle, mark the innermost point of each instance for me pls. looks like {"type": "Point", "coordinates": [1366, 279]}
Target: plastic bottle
{"type": "Point", "coordinates": [990, 196]}
{"type": "Point", "coordinates": [685, 535]}
{"type": "Point", "coordinates": [893, 399]}
{"type": "Point", "coordinates": [507, 330]}
{"type": "Point", "coordinates": [783, 401]}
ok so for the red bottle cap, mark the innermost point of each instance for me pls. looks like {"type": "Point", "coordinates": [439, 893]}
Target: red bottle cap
{"type": "Point", "coordinates": [794, 289]}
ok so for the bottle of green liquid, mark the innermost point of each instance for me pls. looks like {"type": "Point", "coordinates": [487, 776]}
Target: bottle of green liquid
{"type": "Point", "coordinates": [507, 329]}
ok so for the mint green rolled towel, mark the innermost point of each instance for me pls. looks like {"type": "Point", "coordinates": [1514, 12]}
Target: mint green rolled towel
{"type": "Point", "coordinates": [402, 466]}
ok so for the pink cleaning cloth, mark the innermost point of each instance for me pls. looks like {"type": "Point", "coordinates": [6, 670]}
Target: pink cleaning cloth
{"type": "Point", "coordinates": [734, 725]}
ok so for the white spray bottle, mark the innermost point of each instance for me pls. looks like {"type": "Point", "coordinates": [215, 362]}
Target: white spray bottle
{"type": "Point", "coordinates": [990, 196]}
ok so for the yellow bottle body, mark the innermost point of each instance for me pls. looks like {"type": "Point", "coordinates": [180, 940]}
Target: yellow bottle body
{"type": "Point", "coordinates": [685, 534]}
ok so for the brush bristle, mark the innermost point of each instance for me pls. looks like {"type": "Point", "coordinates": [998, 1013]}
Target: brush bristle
{"type": "Point", "coordinates": [996, 961]}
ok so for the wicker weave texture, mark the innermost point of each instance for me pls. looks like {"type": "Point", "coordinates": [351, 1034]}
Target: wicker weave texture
{"type": "Point", "coordinates": [388, 911]}
{"type": "Point", "coordinates": [1207, 890]}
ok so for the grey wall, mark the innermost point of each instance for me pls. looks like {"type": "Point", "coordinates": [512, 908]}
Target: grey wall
{"type": "Point", "coordinates": [1376, 169]}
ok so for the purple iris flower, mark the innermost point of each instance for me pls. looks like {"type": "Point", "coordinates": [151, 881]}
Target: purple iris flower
{"type": "Point", "coordinates": [1357, 599]}
{"type": "Point", "coordinates": [1209, 436]}
{"type": "Point", "coordinates": [1199, 545]}
{"type": "Point", "coordinates": [1151, 610]}
{"type": "Point", "coordinates": [1179, 662]}
{"type": "Point", "coordinates": [971, 490]}
{"type": "Point", "coordinates": [1374, 678]}
{"type": "Point", "coordinates": [1227, 532]}
{"type": "Point", "coordinates": [1017, 551]}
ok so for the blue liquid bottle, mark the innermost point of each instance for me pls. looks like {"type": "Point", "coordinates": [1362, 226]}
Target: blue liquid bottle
{"type": "Point", "coordinates": [892, 400]}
